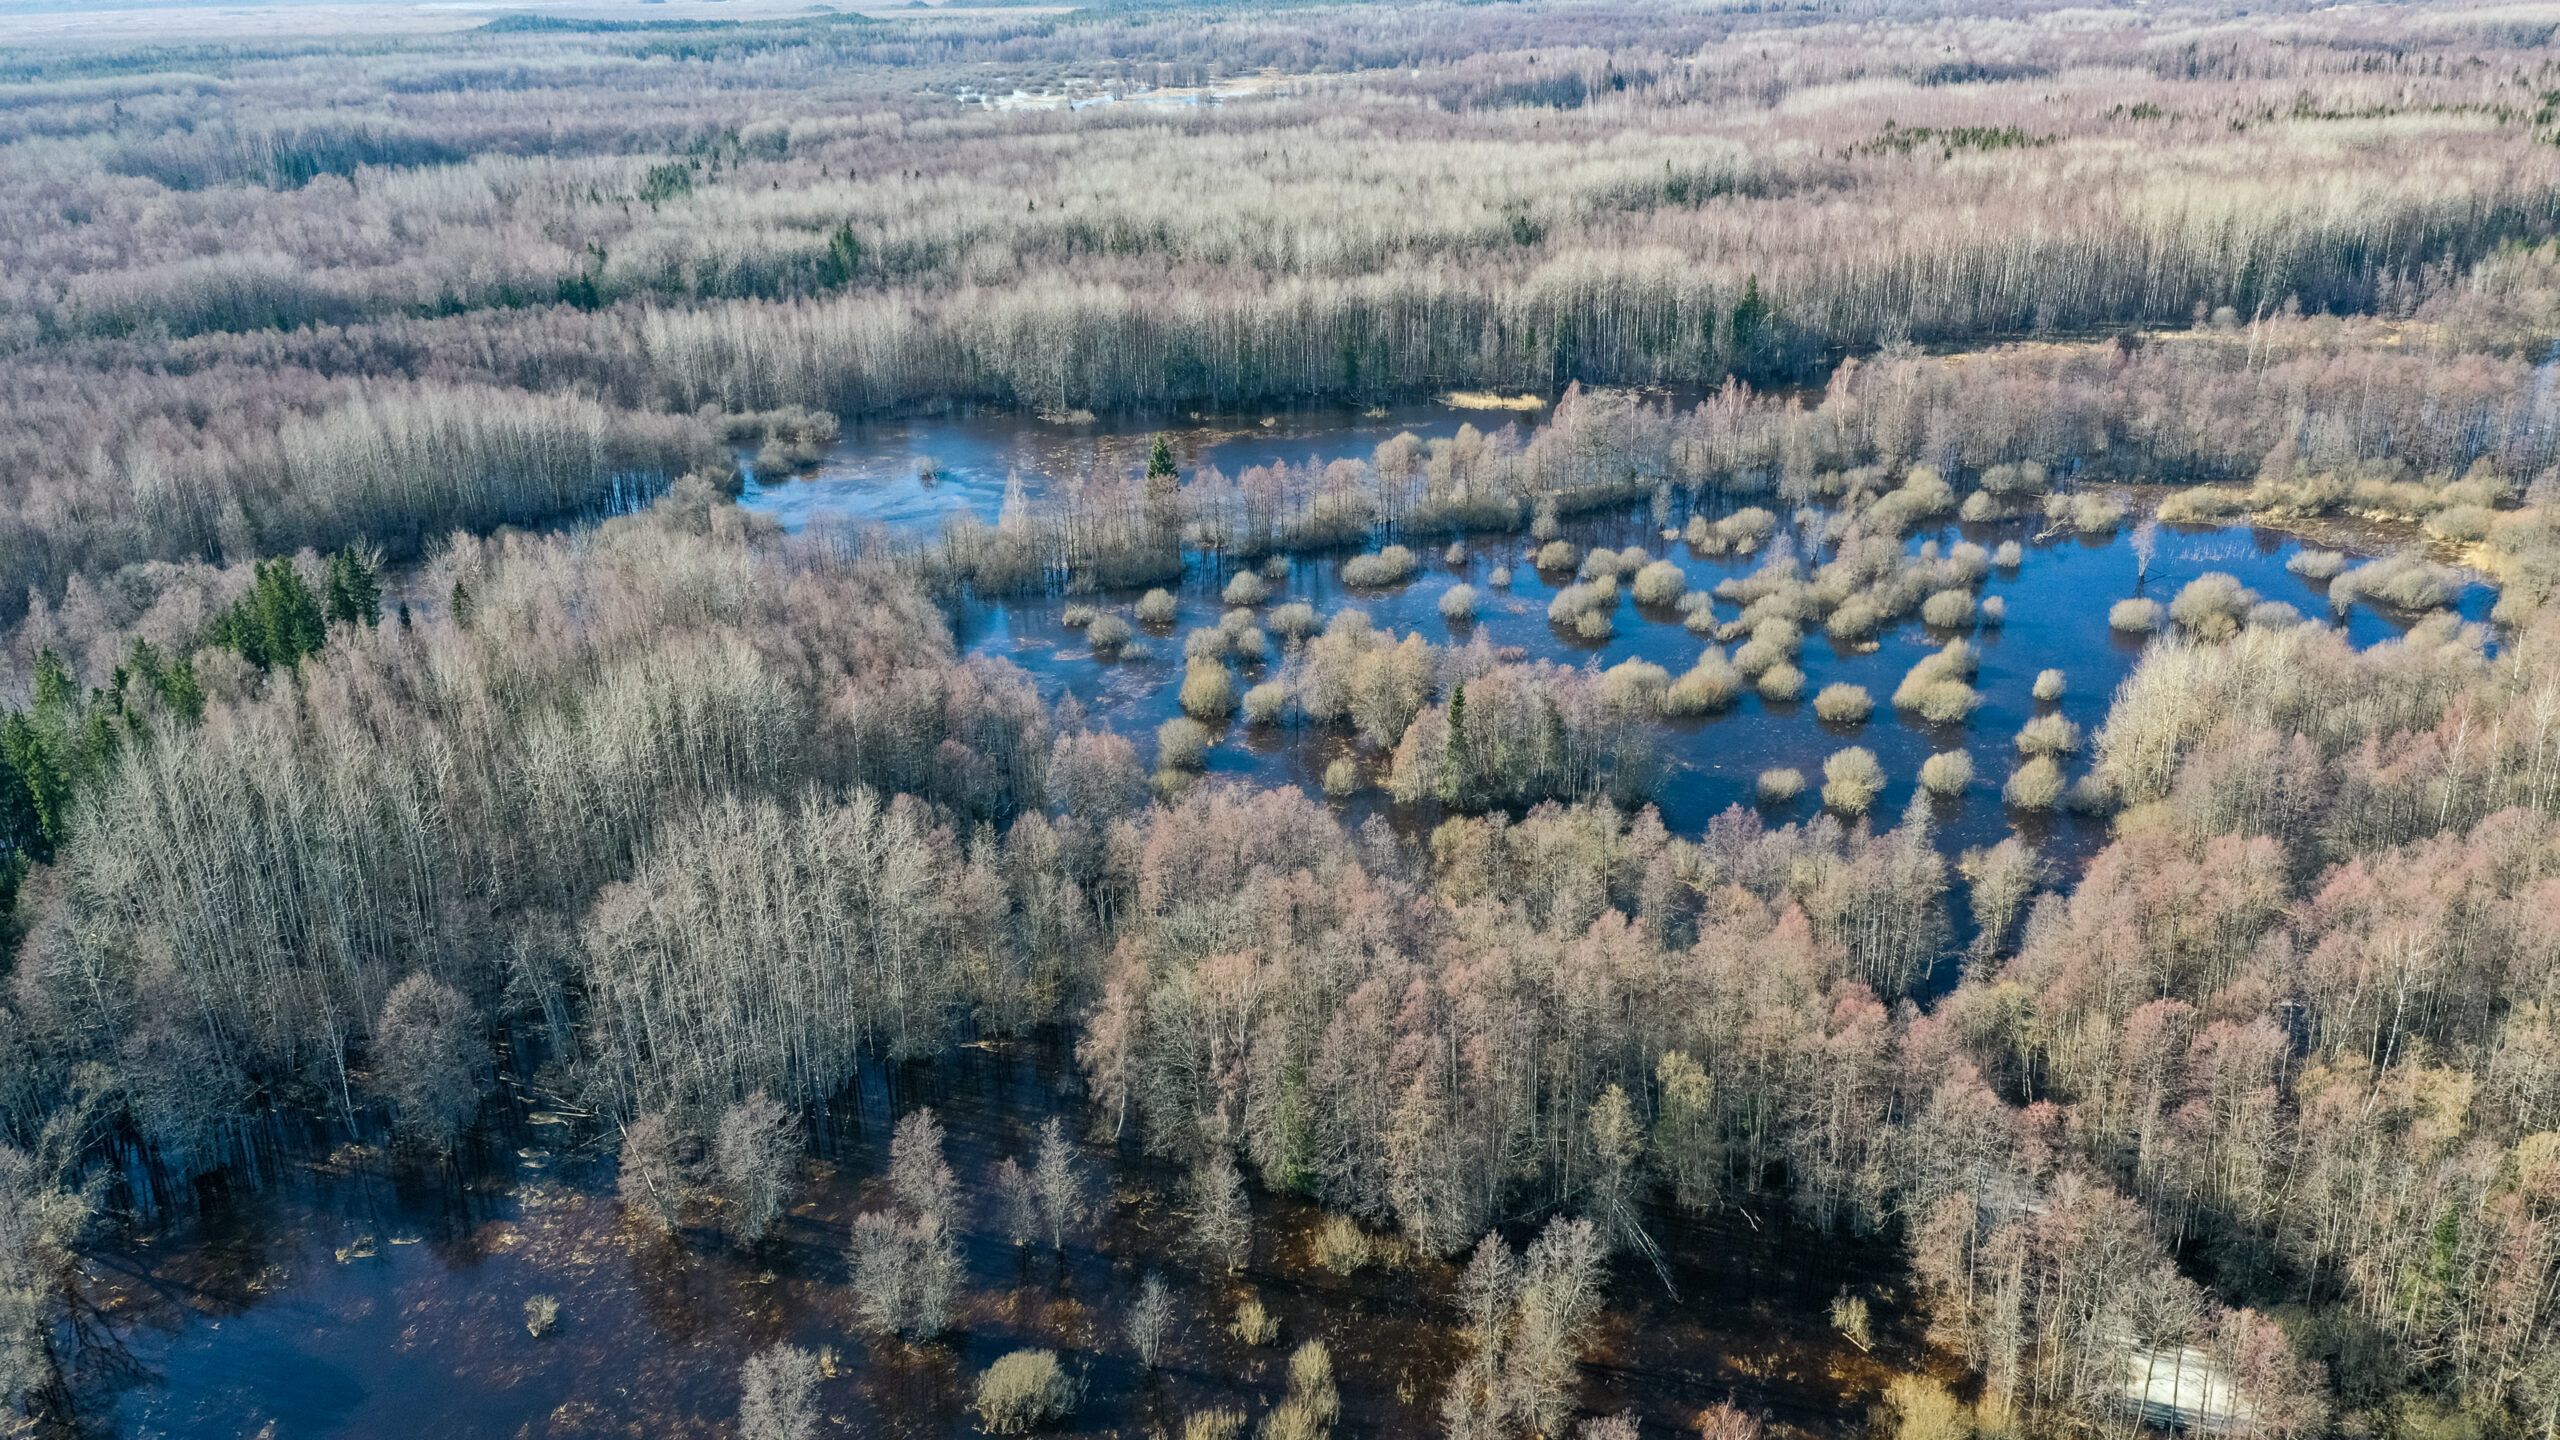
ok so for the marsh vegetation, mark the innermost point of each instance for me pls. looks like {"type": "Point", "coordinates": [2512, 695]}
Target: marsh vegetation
{"type": "Point", "coordinates": [715, 727]}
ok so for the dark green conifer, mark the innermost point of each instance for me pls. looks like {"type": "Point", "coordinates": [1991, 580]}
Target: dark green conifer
{"type": "Point", "coordinates": [32, 756]}
{"type": "Point", "coordinates": [1456, 763]}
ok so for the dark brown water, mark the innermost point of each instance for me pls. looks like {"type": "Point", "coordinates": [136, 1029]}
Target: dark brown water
{"type": "Point", "coordinates": [354, 1296]}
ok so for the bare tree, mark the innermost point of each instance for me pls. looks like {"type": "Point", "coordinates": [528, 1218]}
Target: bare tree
{"type": "Point", "coordinates": [907, 1264]}
{"type": "Point", "coordinates": [1617, 1141]}
{"type": "Point", "coordinates": [1149, 1318]}
{"type": "Point", "coordinates": [1559, 1298]}
{"type": "Point", "coordinates": [427, 1057]}
{"type": "Point", "coordinates": [919, 1176]}
{"type": "Point", "coordinates": [778, 1395]}
{"type": "Point", "coordinates": [1061, 1183]}
{"type": "Point", "coordinates": [755, 1157]}
{"type": "Point", "coordinates": [39, 1223]}
{"type": "Point", "coordinates": [1020, 1197]}
{"type": "Point", "coordinates": [1221, 1221]}
{"type": "Point", "coordinates": [657, 1179]}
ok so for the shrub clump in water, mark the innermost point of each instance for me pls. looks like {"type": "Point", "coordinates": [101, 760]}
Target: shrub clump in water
{"type": "Point", "coordinates": [2036, 785]}
{"type": "Point", "coordinates": [1946, 773]}
{"type": "Point", "coordinates": [1181, 744]}
{"type": "Point", "coordinates": [1390, 566]}
{"type": "Point", "coordinates": [1660, 583]}
{"type": "Point", "coordinates": [1843, 704]}
{"type": "Point", "coordinates": [1024, 1391]}
{"type": "Point", "coordinates": [1851, 780]}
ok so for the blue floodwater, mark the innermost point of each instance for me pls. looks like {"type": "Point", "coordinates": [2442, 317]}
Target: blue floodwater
{"type": "Point", "coordinates": [2057, 602]}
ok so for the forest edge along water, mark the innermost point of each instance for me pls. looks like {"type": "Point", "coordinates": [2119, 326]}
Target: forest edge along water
{"type": "Point", "coordinates": [358, 1295]}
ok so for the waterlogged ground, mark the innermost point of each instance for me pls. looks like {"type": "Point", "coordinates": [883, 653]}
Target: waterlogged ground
{"type": "Point", "coordinates": [2057, 602]}
{"type": "Point", "coordinates": [357, 1296]}
{"type": "Point", "coordinates": [362, 1298]}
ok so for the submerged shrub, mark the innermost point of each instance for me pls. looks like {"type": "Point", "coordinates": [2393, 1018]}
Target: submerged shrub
{"type": "Point", "coordinates": [1455, 555]}
{"type": "Point", "coordinates": [1390, 566]}
{"type": "Point", "coordinates": [2212, 606]}
{"type": "Point", "coordinates": [1255, 1325]}
{"type": "Point", "coordinates": [1556, 555]}
{"type": "Point", "coordinates": [1295, 620]}
{"type": "Point", "coordinates": [1781, 683]}
{"type": "Point", "coordinates": [2317, 564]}
{"type": "Point", "coordinates": [2134, 617]}
{"type": "Point", "coordinates": [1755, 656]}
{"type": "Point", "coordinates": [1247, 588]}
{"type": "Point", "coordinates": [1947, 610]}
{"type": "Point", "coordinates": [1208, 691]}
{"type": "Point", "coordinates": [2273, 615]}
{"type": "Point", "coordinates": [2009, 556]}
{"type": "Point", "coordinates": [1215, 1424]}
{"type": "Point", "coordinates": [1995, 611]}
{"type": "Point", "coordinates": [1157, 607]}
{"type": "Point", "coordinates": [2088, 514]}
{"type": "Point", "coordinates": [2048, 686]}
{"type": "Point", "coordinates": [2035, 785]}
{"type": "Point", "coordinates": [1660, 583]}
{"type": "Point", "coordinates": [1500, 578]}
{"type": "Point", "coordinates": [1745, 529]}
{"type": "Point", "coordinates": [1458, 604]}
{"type": "Point", "coordinates": [1076, 617]}
{"type": "Point", "coordinates": [2406, 581]}
{"type": "Point", "coordinates": [1946, 773]}
{"type": "Point", "coordinates": [1635, 685]}
{"type": "Point", "coordinates": [1341, 1246]}
{"type": "Point", "coordinates": [2048, 735]}
{"type": "Point", "coordinates": [1341, 777]}
{"type": "Point", "coordinates": [1777, 787]}
{"type": "Point", "coordinates": [1107, 633]}
{"type": "Point", "coordinates": [1844, 704]}
{"type": "Point", "coordinates": [1181, 744]}
{"type": "Point", "coordinates": [1709, 687]}
{"type": "Point", "coordinates": [1936, 689]}
{"type": "Point", "coordinates": [1024, 1391]}
{"type": "Point", "coordinates": [1265, 703]}
{"type": "Point", "coordinates": [1587, 597]}
{"type": "Point", "coordinates": [1855, 618]}
{"type": "Point", "coordinates": [1851, 780]}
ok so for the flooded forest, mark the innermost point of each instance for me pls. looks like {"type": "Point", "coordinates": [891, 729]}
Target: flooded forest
{"type": "Point", "coordinates": [1827, 721]}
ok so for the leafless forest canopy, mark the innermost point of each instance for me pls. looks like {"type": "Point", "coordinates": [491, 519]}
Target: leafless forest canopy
{"type": "Point", "coordinates": [689, 825]}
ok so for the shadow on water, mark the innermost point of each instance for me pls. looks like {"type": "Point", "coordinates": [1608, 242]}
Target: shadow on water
{"type": "Point", "coordinates": [2057, 601]}
{"type": "Point", "coordinates": [360, 1298]}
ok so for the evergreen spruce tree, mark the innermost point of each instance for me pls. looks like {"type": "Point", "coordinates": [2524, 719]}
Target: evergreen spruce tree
{"type": "Point", "coordinates": [354, 595]}
{"type": "Point", "coordinates": [1456, 762]}
{"type": "Point", "coordinates": [55, 689]}
{"type": "Point", "coordinates": [179, 690]}
{"type": "Point", "coordinates": [41, 787]}
{"type": "Point", "coordinates": [278, 622]}
{"type": "Point", "coordinates": [1164, 490]}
